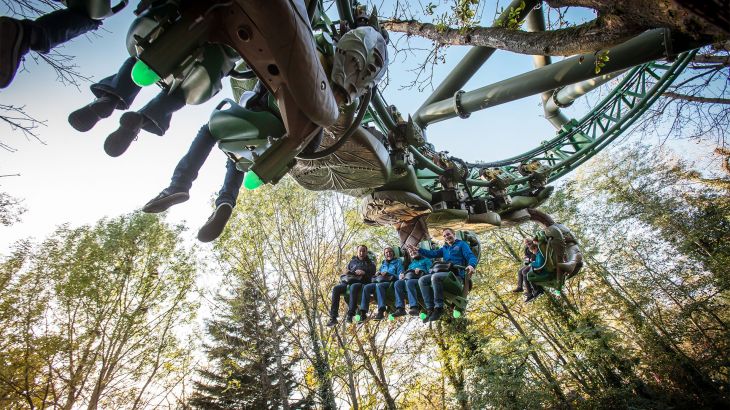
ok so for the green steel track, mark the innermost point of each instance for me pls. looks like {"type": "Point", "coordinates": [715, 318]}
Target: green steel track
{"type": "Point", "coordinates": [578, 140]}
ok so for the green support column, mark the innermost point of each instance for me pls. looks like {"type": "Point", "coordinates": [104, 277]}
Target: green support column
{"type": "Point", "coordinates": [644, 48]}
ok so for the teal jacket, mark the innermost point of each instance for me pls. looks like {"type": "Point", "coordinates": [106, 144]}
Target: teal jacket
{"type": "Point", "coordinates": [420, 262]}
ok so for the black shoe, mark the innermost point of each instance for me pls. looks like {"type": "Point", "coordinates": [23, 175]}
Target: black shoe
{"type": "Point", "coordinates": [348, 318]}
{"type": "Point", "coordinates": [529, 298]}
{"type": "Point", "coordinates": [517, 290]}
{"type": "Point", "coordinates": [216, 222]}
{"type": "Point", "coordinates": [427, 315]}
{"type": "Point", "coordinates": [164, 200]}
{"type": "Point", "coordinates": [539, 291]}
{"type": "Point", "coordinates": [380, 315]}
{"type": "Point", "coordinates": [87, 116]}
{"type": "Point", "coordinates": [13, 46]}
{"type": "Point", "coordinates": [436, 314]}
{"type": "Point", "coordinates": [399, 312]}
{"type": "Point", "coordinates": [332, 322]}
{"type": "Point", "coordinates": [118, 141]}
{"type": "Point", "coordinates": [414, 311]}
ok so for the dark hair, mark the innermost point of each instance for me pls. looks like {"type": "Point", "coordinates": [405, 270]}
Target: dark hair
{"type": "Point", "coordinates": [362, 246]}
{"type": "Point", "coordinates": [448, 229]}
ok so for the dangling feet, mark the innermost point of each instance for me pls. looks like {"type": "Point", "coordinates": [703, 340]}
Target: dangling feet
{"type": "Point", "coordinates": [216, 222]}
{"type": "Point", "coordinates": [130, 123]}
{"type": "Point", "coordinates": [164, 200]}
{"type": "Point", "coordinates": [87, 116]}
{"type": "Point", "coordinates": [13, 46]}
{"type": "Point", "coordinates": [400, 311]}
{"type": "Point", "coordinates": [380, 315]}
{"type": "Point", "coordinates": [414, 311]}
{"type": "Point", "coordinates": [332, 322]}
{"type": "Point", "coordinates": [436, 314]}
{"type": "Point", "coordinates": [517, 289]}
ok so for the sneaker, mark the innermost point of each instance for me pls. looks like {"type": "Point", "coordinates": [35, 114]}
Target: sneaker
{"type": "Point", "coordinates": [216, 222]}
{"type": "Point", "coordinates": [399, 312]}
{"type": "Point", "coordinates": [164, 200]}
{"type": "Point", "coordinates": [87, 116]}
{"type": "Point", "coordinates": [348, 318]}
{"type": "Point", "coordinates": [436, 314]}
{"type": "Point", "coordinates": [380, 315]}
{"type": "Point", "coordinates": [12, 49]}
{"type": "Point", "coordinates": [517, 290]}
{"type": "Point", "coordinates": [414, 311]}
{"type": "Point", "coordinates": [538, 291]}
{"type": "Point", "coordinates": [529, 298]}
{"type": "Point", "coordinates": [118, 141]}
{"type": "Point", "coordinates": [332, 322]}
{"type": "Point", "coordinates": [427, 315]}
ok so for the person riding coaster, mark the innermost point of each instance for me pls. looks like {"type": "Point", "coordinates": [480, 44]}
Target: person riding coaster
{"type": "Point", "coordinates": [382, 286]}
{"type": "Point", "coordinates": [449, 282]}
{"type": "Point", "coordinates": [559, 258]}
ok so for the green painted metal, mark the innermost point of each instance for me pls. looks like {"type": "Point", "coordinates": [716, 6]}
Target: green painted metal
{"type": "Point", "coordinates": [644, 48]}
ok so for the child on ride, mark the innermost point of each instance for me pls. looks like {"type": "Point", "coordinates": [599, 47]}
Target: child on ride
{"type": "Point", "coordinates": [408, 283]}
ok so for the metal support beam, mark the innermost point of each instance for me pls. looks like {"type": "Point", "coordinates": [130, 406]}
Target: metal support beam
{"type": "Point", "coordinates": [344, 9]}
{"type": "Point", "coordinates": [567, 95]}
{"type": "Point", "coordinates": [536, 22]}
{"type": "Point", "coordinates": [471, 62]}
{"type": "Point", "coordinates": [646, 47]}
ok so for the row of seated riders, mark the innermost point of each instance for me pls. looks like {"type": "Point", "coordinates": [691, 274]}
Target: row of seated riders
{"type": "Point", "coordinates": [363, 280]}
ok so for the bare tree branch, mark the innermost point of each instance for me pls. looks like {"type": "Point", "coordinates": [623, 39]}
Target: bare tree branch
{"type": "Point", "coordinates": [694, 98]}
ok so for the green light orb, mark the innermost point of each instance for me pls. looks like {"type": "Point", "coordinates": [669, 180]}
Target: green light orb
{"type": "Point", "coordinates": [142, 75]}
{"type": "Point", "coordinates": [391, 318]}
{"type": "Point", "coordinates": [358, 318]}
{"type": "Point", "coordinates": [422, 316]}
{"type": "Point", "coordinates": [252, 181]}
{"type": "Point", "coordinates": [456, 314]}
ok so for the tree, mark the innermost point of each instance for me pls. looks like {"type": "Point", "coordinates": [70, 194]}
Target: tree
{"type": "Point", "coordinates": [10, 209]}
{"type": "Point", "coordinates": [90, 316]}
{"type": "Point", "coordinates": [245, 346]}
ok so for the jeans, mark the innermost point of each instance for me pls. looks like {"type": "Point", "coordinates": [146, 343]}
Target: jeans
{"type": "Point", "coordinates": [158, 111]}
{"type": "Point", "coordinates": [57, 27]}
{"type": "Point", "coordinates": [187, 169]}
{"type": "Point", "coordinates": [404, 286]}
{"type": "Point", "coordinates": [432, 288]}
{"type": "Point", "coordinates": [340, 290]}
{"type": "Point", "coordinates": [522, 276]}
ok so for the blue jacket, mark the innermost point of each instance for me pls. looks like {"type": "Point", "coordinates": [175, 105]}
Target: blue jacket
{"type": "Point", "coordinates": [393, 267]}
{"type": "Point", "coordinates": [538, 262]}
{"type": "Point", "coordinates": [459, 254]}
{"type": "Point", "coordinates": [421, 263]}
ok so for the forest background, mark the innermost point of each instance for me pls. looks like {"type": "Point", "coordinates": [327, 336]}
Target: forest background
{"type": "Point", "coordinates": [105, 315]}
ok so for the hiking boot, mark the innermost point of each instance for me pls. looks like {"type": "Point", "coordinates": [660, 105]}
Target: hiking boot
{"type": "Point", "coordinates": [332, 322]}
{"type": "Point", "coordinates": [216, 222]}
{"type": "Point", "coordinates": [436, 314]}
{"type": "Point", "coordinates": [517, 290]}
{"type": "Point", "coordinates": [13, 46]}
{"type": "Point", "coordinates": [380, 315]}
{"type": "Point", "coordinates": [87, 116]}
{"type": "Point", "coordinates": [164, 200]}
{"type": "Point", "coordinates": [130, 123]}
{"type": "Point", "coordinates": [414, 311]}
{"type": "Point", "coordinates": [399, 312]}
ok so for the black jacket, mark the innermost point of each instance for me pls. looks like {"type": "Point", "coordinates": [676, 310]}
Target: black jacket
{"type": "Point", "coordinates": [366, 265]}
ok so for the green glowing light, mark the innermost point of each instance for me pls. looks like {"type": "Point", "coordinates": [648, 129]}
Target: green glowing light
{"type": "Point", "coordinates": [252, 181]}
{"type": "Point", "coordinates": [142, 75]}
{"type": "Point", "coordinates": [422, 316]}
{"type": "Point", "coordinates": [358, 318]}
{"type": "Point", "coordinates": [457, 314]}
{"type": "Point", "coordinates": [391, 318]}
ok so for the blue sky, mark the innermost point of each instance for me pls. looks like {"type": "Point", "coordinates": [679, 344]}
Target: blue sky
{"type": "Point", "coordinates": [71, 179]}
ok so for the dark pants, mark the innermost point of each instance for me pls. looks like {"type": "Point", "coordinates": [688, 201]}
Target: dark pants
{"type": "Point", "coordinates": [57, 27]}
{"type": "Point", "coordinates": [158, 111]}
{"type": "Point", "coordinates": [432, 289]}
{"type": "Point", "coordinates": [379, 289]}
{"type": "Point", "coordinates": [340, 290]}
{"type": "Point", "coordinates": [187, 169]}
{"type": "Point", "coordinates": [522, 276]}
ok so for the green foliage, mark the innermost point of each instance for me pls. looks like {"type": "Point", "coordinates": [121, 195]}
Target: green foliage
{"type": "Point", "coordinates": [601, 60]}
{"type": "Point", "coordinates": [10, 209]}
{"type": "Point", "coordinates": [513, 20]}
{"type": "Point", "coordinates": [94, 307]}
